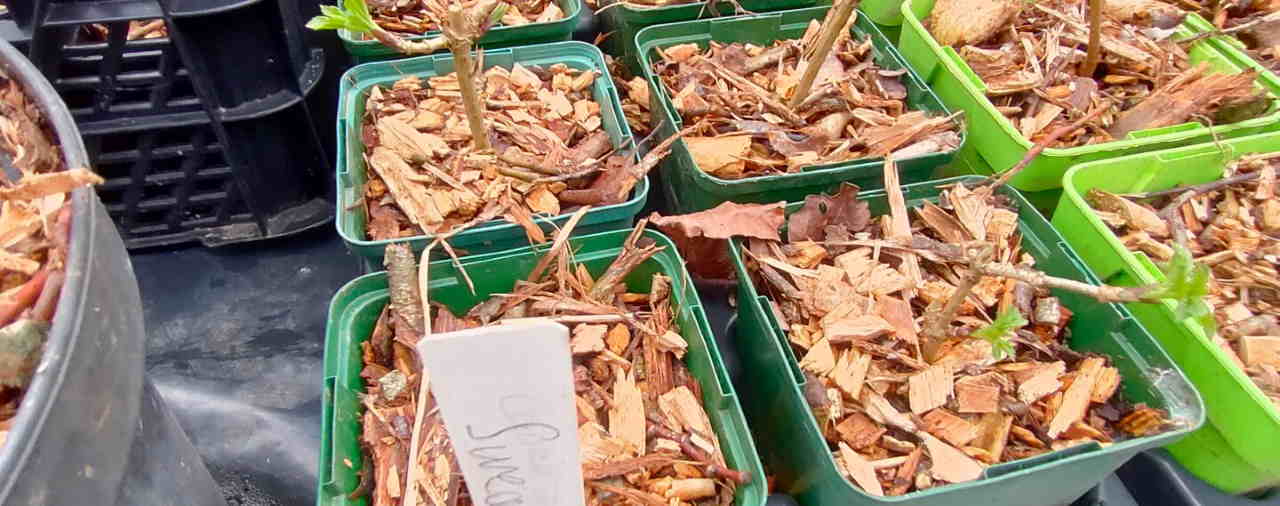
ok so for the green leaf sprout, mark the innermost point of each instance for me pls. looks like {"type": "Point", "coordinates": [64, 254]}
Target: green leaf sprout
{"type": "Point", "coordinates": [997, 333]}
{"type": "Point", "coordinates": [354, 16]}
{"type": "Point", "coordinates": [1186, 283]}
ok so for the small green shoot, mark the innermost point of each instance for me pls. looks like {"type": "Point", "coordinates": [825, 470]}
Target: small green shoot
{"type": "Point", "coordinates": [1185, 284]}
{"type": "Point", "coordinates": [497, 15]}
{"type": "Point", "coordinates": [354, 17]}
{"type": "Point", "coordinates": [1007, 322]}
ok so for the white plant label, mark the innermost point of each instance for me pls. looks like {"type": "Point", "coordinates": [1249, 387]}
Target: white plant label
{"type": "Point", "coordinates": [506, 395]}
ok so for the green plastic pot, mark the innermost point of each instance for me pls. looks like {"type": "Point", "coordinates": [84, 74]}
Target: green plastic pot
{"type": "Point", "coordinates": [1002, 145]}
{"type": "Point", "coordinates": [495, 235]}
{"type": "Point", "coordinates": [623, 20]}
{"type": "Point", "coordinates": [1239, 449]}
{"type": "Point", "coordinates": [795, 451]}
{"type": "Point", "coordinates": [363, 50]}
{"type": "Point", "coordinates": [356, 307]}
{"type": "Point", "coordinates": [884, 12]}
{"type": "Point", "coordinates": [689, 189]}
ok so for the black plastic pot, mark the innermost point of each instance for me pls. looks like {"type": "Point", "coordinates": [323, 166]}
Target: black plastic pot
{"type": "Point", "coordinates": [90, 430]}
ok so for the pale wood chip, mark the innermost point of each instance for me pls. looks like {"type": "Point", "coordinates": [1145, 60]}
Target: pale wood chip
{"type": "Point", "coordinates": [850, 372]}
{"type": "Point", "coordinates": [1075, 401]}
{"type": "Point", "coordinates": [1043, 381]}
{"type": "Point", "coordinates": [857, 328]}
{"type": "Point", "coordinates": [672, 342]}
{"type": "Point", "coordinates": [18, 263]}
{"type": "Point", "coordinates": [880, 410]}
{"type": "Point", "coordinates": [597, 446]}
{"type": "Point", "coordinates": [679, 405]}
{"type": "Point", "coordinates": [820, 359]}
{"type": "Point", "coordinates": [1260, 350]}
{"type": "Point", "coordinates": [412, 198]}
{"type": "Point", "coordinates": [588, 339]}
{"type": "Point", "coordinates": [898, 313]}
{"type": "Point", "coordinates": [950, 464]}
{"type": "Point", "coordinates": [930, 388]}
{"type": "Point", "coordinates": [1106, 386]}
{"type": "Point", "coordinates": [627, 415]}
{"type": "Point", "coordinates": [34, 186]}
{"type": "Point", "coordinates": [993, 433]}
{"type": "Point", "coordinates": [857, 468]}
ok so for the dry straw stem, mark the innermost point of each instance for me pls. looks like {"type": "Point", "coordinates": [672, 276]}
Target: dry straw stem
{"type": "Point", "coordinates": [837, 20]}
{"type": "Point", "coordinates": [1094, 53]}
{"type": "Point", "coordinates": [460, 31]}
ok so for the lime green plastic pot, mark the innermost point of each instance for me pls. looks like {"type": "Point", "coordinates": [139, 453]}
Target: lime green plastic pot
{"type": "Point", "coordinates": [795, 451]}
{"type": "Point", "coordinates": [1002, 145]}
{"type": "Point", "coordinates": [355, 309]}
{"type": "Point", "coordinates": [1239, 449]}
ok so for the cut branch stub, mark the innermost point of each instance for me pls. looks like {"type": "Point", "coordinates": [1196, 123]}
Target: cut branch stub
{"type": "Point", "coordinates": [835, 23]}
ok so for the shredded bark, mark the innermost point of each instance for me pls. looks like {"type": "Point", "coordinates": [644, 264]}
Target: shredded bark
{"type": "Point", "coordinates": [1029, 54]}
{"type": "Point", "coordinates": [418, 17]}
{"type": "Point", "coordinates": [1253, 22]}
{"type": "Point", "coordinates": [550, 153]}
{"type": "Point", "coordinates": [752, 117]}
{"type": "Point", "coordinates": [35, 226]}
{"type": "Point", "coordinates": [1231, 225]}
{"type": "Point", "coordinates": [897, 418]}
{"type": "Point", "coordinates": [644, 433]}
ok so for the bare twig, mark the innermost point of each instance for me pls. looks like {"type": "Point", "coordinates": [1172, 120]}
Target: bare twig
{"type": "Point", "coordinates": [1037, 149]}
{"type": "Point", "coordinates": [1094, 53]}
{"type": "Point", "coordinates": [1269, 18]}
{"type": "Point", "coordinates": [837, 20]}
{"type": "Point", "coordinates": [938, 323]}
{"type": "Point", "coordinates": [1196, 189]}
{"type": "Point", "coordinates": [460, 36]}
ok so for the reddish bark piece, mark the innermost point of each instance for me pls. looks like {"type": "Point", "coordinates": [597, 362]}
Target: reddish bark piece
{"type": "Point", "coordinates": [974, 395]}
{"type": "Point", "coordinates": [949, 427]}
{"type": "Point", "coordinates": [859, 431]}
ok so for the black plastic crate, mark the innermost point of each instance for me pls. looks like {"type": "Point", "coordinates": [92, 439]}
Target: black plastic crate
{"type": "Point", "coordinates": [203, 133]}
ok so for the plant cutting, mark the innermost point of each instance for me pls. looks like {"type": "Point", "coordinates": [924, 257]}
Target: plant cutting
{"type": "Point", "coordinates": [817, 100]}
{"type": "Point", "coordinates": [912, 390]}
{"type": "Point", "coordinates": [534, 142]}
{"type": "Point", "coordinates": [1033, 58]}
{"type": "Point", "coordinates": [1228, 224]}
{"type": "Point", "coordinates": [931, 345]}
{"type": "Point", "coordinates": [645, 436]}
{"type": "Point", "coordinates": [35, 227]}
